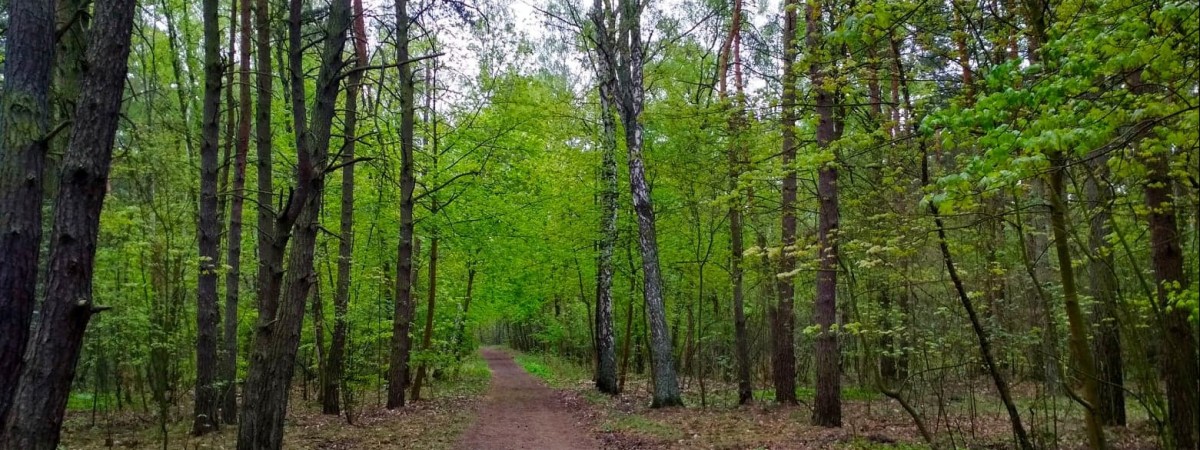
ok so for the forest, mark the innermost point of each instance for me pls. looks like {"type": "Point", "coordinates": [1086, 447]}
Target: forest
{"type": "Point", "coordinates": [483, 224]}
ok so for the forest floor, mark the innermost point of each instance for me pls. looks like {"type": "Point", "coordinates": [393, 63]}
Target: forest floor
{"type": "Point", "coordinates": [506, 407]}
{"type": "Point", "coordinates": [968, 418]}
{"type": "Point", "coordinates": [435, 423]}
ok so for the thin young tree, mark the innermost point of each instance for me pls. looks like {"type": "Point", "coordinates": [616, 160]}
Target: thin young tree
{"type": "Point", "coordinates": [336, 366]}
{"type": "Point", "coordinates": [228, 393]}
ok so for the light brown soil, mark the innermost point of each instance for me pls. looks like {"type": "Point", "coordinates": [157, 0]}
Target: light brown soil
{"type": "Point", "coordinates": [522, 413]}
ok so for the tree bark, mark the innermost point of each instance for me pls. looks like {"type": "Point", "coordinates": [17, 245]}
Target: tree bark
{"type": "Point", "coordinates": [398, 370]}
{"type": "Point", "coordinates": [783, 358]}
{"type": "Point", "coordinates": [1080, 349]}
{"type": "Point", "coordinates": [827, 407]}
{"type": "Point", "coordinates": [204, 412]}
{"type": "Point", "coordinates": [606, 360]}
{"type": "Point", "coordinates": [1103, 287]}
{"type": "Point", "coordinates": [45, 385]}
{"type": "Point", "coordinates": [24, 122]}
{"type": "Point", "coordinates": [1177, 363]}
{"type": "Point", "coordinates": [630, 104]}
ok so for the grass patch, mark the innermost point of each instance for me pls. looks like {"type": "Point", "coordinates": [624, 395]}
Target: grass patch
{"type": "Point", "coordinates": [557, 372]}
{"type": "Point", "coordinates": [84, 401]}
{"type": "Point", "coordinates": [639, 425]}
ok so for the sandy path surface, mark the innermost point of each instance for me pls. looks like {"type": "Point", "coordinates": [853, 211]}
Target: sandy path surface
{"type": "Point", "coordinates": [522, 413]}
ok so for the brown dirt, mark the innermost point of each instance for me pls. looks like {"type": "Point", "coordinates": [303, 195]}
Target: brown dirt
{"type": "Point", "coordinates": [520, 412]}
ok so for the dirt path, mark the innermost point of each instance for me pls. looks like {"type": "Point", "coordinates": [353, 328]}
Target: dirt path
{"type": "Point", "coordinates": [522, 413]}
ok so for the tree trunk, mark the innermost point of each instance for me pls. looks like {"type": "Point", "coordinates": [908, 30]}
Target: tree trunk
{"type": "Point", "coordinates": [736, 153]}
{"type": "Point", "coordinates": [783, 358]}
{"type": "Point", "coordinates": [605, 342]}
{"type": "Point", "coordinates": [273, 360]}
{"type": "Point", "coordinates": [402, 319]}
{"type": "Point", "coordinates": [45, 385]}
{"type": "Point", "coordinates": [24, 121]}
{"type": "Point", "coordinates": [827, 407]}
{"type": "Point", "coordinates": [234, 255]}
{"type": "Point", "coordinates": [204, 412]}
{"type": "Point", "coordinates": [336, 366]}
{"type": "Point", "coordinates": [430, 310]}
{"type": "Point", "coordinates": [318, 326]}
{"type": "Point", "coordinates": [1177, 360]}
{"type": "Point", "coordinates": [264, 84]}
{"type": "Point", "coordinates": [1103, 287]}
{"type": "Point", "coordinates": [631, 99]}
{"type": "Point", "coordinates": [1080, 350]}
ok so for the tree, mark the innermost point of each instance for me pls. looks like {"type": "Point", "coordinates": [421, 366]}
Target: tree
{"type": "Point", "coordinates": [277, 339]}
{"type": "Point", "coordinates": [737, 149]}
{"type": "Point", "coordinates": [204, 413]}
{"type": "Point", "coordinates": [336, 366]}
{"type": "Point", "coordinates": [228, 395]}
{"type": "Point", "coordinates": [45, 384]}
{"type": "Point", "coordinates": [24, 123]}
{"type": "Point", "coordinates": [827, 409]}
{"type": "Point", "coordinates": [398, 369]}
{"type": "Point", "coordinates": [783, 357]}
{"type": "Point", "coordinates": [605, 342]}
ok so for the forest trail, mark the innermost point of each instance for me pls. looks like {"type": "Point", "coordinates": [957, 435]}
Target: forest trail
{"type": "Point", "coordinates": [522, 413]}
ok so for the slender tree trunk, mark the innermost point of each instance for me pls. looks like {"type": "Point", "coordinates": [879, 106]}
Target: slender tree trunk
{"type": "Point", "coordinates": [234, 256]}
{"type": "Point", "coordinates": [430, 310]}
{"type": "Point", "coordinates": [630, 104]}
{"type": "Point", "coordinates": [398, 369]}
{"type": "Point", "coordinates": [336, 366]}
{"type": "Point", "coordinates": [737, 120]}
{"type": "Point", "coordinates": [1103, 287]}
{"type": "Point", "coordinates": [318, 320]}
{"type": "Point", "coordinates": [204, 412]}
{"type": "Point", "coordinates": [827, 407]}
{"type": "Point", "coordinates": [783, 359]}
{"type": "Point", "coordinates": [41, 398]}
{"type": "Point", "coordinates": [24, 122]}
{"type": "Point", "coordinates": [264, 84]}
{"type": "Point", "coordinates": [606, 367]}
{"type": "Point", "coordinates": [1080, 349]}
{"type": "Point", "coordinates": [981, 335]}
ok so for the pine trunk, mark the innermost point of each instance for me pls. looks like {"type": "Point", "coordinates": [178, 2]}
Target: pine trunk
{"type": "Point", "coordinates": [783, 358]}
{"type": "Point", "coordinates": [24, 120]}
{"type": "Point", "coordinates": [41, 397]}
{"type": "Point", "coordinates": [204, 412]}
